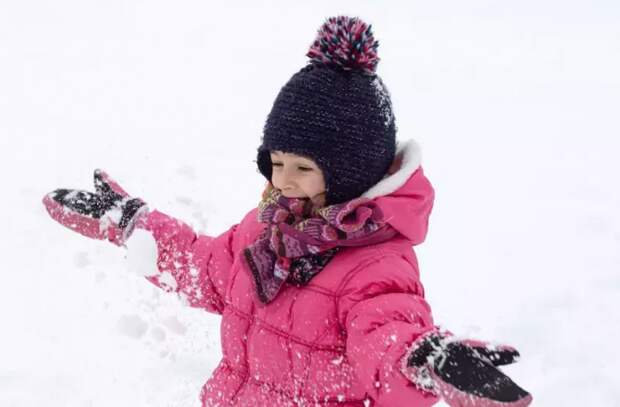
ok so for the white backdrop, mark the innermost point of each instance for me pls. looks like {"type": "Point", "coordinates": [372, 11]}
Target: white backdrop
{"type": "Point", "coordinates": [515, 104]}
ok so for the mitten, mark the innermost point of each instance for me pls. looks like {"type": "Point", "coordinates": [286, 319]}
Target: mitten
{"type": "Point", "coordinates": [464, 372]}
{"type": "Point", "coordinates": [108, 213]}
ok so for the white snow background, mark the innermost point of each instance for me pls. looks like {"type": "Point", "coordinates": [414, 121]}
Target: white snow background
{"type": "Point", "coordinates": [516, 106]}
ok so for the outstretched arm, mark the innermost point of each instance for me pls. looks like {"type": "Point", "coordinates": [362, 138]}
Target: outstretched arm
{"type": "Point", "coordinates": [402, 359]}
{"type": "Point", "coordinates": [195, 266]}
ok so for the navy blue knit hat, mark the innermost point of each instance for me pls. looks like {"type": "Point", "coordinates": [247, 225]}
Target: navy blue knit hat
{"type": "Point", "coordinates": [336, 111]}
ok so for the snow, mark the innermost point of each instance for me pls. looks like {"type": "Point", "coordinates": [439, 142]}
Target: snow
{"type": "Point", "coordinates": [174, 325]}
{"type": "Point", "coordinates": [167, 281]}
{"type": "Point", "coordinates": [110, 217]}
{"type": "Point", "coordinates": [132, 326]}
{"type": "Point", "coordinates": [514, 104]}
{"type": "Point", "coordinates": [141, 254]}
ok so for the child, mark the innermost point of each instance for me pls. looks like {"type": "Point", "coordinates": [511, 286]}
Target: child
{"type": "Point", "coordinates": [318, 287]}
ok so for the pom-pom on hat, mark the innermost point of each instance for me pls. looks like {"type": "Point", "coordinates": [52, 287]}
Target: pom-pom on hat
{"type": "Point", "coordinates": [336, 111]}
{"type": "Point", "coordinates": [345, 42]}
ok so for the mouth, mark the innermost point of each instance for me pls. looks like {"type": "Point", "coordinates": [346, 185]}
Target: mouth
{"type": "Point", "coordinates": [293, 195]}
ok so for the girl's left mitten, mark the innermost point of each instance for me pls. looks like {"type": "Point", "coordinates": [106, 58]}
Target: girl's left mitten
{"type": "Point", "coordinates": [108, 213]}
{"type": "Point", "coordinates": [464, 372]}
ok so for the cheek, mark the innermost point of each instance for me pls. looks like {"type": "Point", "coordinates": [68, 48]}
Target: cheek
{"type": "Point", "coordinates": [275, 177]}
{"type": "Point", "coordinates": [315, 185]}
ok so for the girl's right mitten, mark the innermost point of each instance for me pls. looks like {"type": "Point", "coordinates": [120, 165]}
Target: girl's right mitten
{"type": "Point", "coordinates": [108, 213]}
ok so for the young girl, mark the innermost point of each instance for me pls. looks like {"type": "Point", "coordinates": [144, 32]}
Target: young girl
{"type": "Point", "coordinates": [318, 287]}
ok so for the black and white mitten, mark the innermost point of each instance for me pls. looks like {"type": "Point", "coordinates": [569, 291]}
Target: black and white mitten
{"type": "Point", "coordinates": [464, 372]}
{"type": "Point", "coordinates": [107, 213]}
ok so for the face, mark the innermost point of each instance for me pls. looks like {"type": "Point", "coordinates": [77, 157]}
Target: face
{"type": "Point", "coordinates": [297, 177]}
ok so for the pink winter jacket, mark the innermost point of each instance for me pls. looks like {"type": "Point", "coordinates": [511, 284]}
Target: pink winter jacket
{"type": "Point", "coordinates": [340, 340]}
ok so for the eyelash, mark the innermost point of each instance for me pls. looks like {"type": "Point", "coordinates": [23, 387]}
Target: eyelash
{"type": "Point", "coordinates": [303, 169]}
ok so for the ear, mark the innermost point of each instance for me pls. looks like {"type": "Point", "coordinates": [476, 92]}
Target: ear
{"type": "Point", "coordinates": [263, 161]}
{"type": "Point", "coordinates": [396, 164]}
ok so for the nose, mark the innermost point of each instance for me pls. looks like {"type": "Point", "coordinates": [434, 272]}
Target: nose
{"type": "Point", "coordinates": [287, 182]}
{"type": "Point", "coordinates": [285, 179]}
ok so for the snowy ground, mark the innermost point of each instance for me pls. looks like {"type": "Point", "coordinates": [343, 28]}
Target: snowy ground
{"type": "Point", "coordinates": [515, 104]}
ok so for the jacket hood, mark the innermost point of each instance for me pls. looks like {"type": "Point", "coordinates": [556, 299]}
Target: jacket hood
{"type": "Point", "coordinates": [405, 195]}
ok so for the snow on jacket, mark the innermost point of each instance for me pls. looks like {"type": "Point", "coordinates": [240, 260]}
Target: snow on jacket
{"type": "Point", "coordinates": [338, 341]}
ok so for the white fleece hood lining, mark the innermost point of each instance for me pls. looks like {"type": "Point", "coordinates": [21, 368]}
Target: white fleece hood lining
{"type": "Point", "coordinates": [411, 154]}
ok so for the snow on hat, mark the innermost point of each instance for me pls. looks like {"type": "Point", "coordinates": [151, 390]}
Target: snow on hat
{"type": "Point", "coordinates": [336, 111]}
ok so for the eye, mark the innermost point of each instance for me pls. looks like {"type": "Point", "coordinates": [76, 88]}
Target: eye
{"type": "Point", "coordinates": [304, 169]}
{"type": "Point", "coordinates": [276, 164]}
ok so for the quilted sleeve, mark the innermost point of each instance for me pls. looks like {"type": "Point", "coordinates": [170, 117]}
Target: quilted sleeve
{"type": "Point", "coordinates": [195, 266]}
{"type": "Point", "coordinates": [383, 311]}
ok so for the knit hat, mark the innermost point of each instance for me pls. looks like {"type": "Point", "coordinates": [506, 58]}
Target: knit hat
{"type": "Point", "coordinates": [336, 111]}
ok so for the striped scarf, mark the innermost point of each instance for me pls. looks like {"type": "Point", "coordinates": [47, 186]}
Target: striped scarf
{"type": "Point", "coordinates": [301, 238]}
